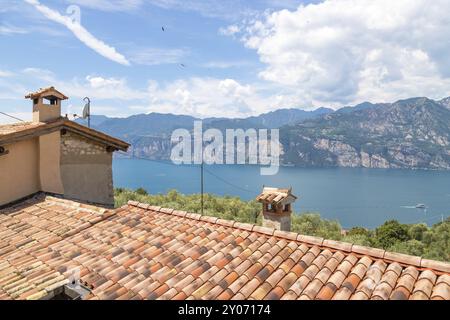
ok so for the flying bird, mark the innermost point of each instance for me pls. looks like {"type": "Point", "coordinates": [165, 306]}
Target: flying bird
{"type": "Point", "coordinates": [163, 29]}
{"type": "Point", "coordinates": [182, 65]}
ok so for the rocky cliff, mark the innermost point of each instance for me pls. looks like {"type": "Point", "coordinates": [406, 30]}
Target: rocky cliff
{"type": "Point", "coordinates": [411, 133]}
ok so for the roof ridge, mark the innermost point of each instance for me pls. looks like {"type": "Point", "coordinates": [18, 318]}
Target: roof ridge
{"type": "Point", "coordinates": [32, 129]}
{"type": "Point", "coordinates": [68, 203]}
{"type": "Point", "coordinates": [401, 258]}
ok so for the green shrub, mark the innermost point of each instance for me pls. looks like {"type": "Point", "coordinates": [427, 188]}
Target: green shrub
{"type": "Point", "coordinates": [390, 233]}
{"type": "Point", "coordinates": [141, 191]}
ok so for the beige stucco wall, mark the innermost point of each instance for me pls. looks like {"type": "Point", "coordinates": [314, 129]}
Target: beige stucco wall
{"type": "Point", "coordinates": [68, 164]}
{"type": "Point", "coordinates": [44, 112]}
{"type": "Point", "coordinates": [19, 171]}
{"type": "Point", "coordinates": [86, 170]}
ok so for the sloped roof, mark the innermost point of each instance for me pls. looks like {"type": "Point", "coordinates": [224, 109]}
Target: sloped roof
{"type": "Point", "coordinates": [276, 196]}
{"type": "Point", "coordinates": [20, 131]}
{"type": "Point", "coordinates": [145, 252]}
{"type": "Point", "coordinates": [46, 92]}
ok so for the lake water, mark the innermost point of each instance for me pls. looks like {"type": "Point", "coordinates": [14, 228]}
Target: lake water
{"type": "Point", "coordinates": [354, 197]}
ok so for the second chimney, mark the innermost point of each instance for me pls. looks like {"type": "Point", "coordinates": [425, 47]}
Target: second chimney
{"type": "Point", "coordinates": [277, 208]}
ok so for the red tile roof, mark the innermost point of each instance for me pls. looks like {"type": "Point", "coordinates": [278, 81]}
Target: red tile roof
{"type": "Point", "coordinates": [44, 92]}
{"type": "Point", "coordinates": [19, 131]}
{"type": "Point", "coordinates": [145, 252]}
{"type": "Point", "coordinates": [276, 196]}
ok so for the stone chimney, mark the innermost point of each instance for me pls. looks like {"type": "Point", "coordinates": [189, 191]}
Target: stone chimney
{"type": "Point", "coordinates": [277, 208]}
{"type": "Point", "coordinates": [46, 104]}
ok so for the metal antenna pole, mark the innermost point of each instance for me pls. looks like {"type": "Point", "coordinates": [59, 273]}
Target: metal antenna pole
{"type": "Point", "coordinates": [87, 111]}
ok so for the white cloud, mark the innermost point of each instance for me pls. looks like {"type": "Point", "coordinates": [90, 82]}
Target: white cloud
{"type": "Point", "coordinates": [102, 88]}
{"type": "Point", "coordinates": [109, 5]}
{"type": "Point", "coordinates": [157, 56]}
{"type": "Point", "coordinates": [7, 29]}
{"type": "Point", "coordinates": [212, 97]}
{"type": "Point", "coordinates": [226, 64]}
{"type": "Point", "coordinates": [115, 96]}
{"type": "Point", "coordinates": [99, 82]}
{"type": "Point", "coordinates": [200, 97]}
{"type": "Point", "coordinates": [345, 51]}
{"type": "Point", "coordinates": [40, 74]}
{"type": "Point", "coordinates": [95, 86]}
{"type": "Point", "coordinates": [81, 33]}
{"type": "Point", "coordinates": [230, 30]}
{"type": "Point", "coordinates": [4, 74]}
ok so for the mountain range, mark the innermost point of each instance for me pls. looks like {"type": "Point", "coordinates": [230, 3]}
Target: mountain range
{"type": "Point", "coordinates": [412, 133]}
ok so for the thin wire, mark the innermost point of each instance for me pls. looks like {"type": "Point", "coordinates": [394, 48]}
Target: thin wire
{"type": "Point", "coordinates": [229, 183]}
{"type": "Point", "coordinates": [151, 160]}
{"type": "Point", "coordinates": [12, 116]}
{"type": "Point", "coordinates": [206, 170]}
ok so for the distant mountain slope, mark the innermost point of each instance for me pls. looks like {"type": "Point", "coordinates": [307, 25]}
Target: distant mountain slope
{"type": "Point", "coordinates": [96, 120]}
{"type": "Point", "coordinates": [162, 125]}
{"type": "Point", "coordinates": [153, 124]}
{"type": "Point", "coordinates": [279, 118]}
{"type": "Point", "coordinates": [411, 133]}
{"type": "Point", "coordinates": [360, 107]}
{"type": "Point", "coordinates": [445, 102]}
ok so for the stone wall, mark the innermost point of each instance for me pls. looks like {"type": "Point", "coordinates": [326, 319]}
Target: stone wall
{"type": "Point", "coordinates": [278, 221]}
{"type": "Point", "coordinates": [86, 169]}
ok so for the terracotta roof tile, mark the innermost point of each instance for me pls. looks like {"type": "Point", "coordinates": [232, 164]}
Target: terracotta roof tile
{"type": "Point", "coordinates": [441, 291]}
{"type": "Point", "coordinates": [373, 252]}
{"type": "Point", "coordinates": [310, 240]}
{"type": "Point", "coordinates": [146, 252]}
{"type": "Point", "coordinates": [343, 246]}
{"type": "Point", "coordinates": [268, 231]}
{"type": "Point", "coordinates": [424, 286]}
{"type": "Point", "coordinates": [360, 295]}
{"type": "Point", "coordinates": [382, 291]}
{"type": "Point", "coordinates": [403, 258]}
{"type": "Point", "coordinates": [286, 235]}
{"type": "Point", "coordinates": [435, 265]}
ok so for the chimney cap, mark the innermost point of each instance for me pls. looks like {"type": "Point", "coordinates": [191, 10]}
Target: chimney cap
{"type": "Point", "coordinates": [46, 92]}
{"type": "Point", "coordinates": [276, 196]}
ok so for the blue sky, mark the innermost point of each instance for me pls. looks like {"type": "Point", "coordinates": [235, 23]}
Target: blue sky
{"type": "Point", "coordinates": [222, 58]}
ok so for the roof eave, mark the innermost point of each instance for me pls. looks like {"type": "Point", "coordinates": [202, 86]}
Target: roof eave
{"type": "Point", "coordinates": [71, 126]}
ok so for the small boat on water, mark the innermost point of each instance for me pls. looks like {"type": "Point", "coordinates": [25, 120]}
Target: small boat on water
{"type": "Point", "coordinates": [421, 206]}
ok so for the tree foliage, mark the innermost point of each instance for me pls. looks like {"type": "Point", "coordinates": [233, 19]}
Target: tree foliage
{"type": "Point", "coordinates": [390, 233]}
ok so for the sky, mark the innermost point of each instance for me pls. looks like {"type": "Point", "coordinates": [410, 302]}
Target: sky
{"type": "Point", "coordinates": [223, 58]}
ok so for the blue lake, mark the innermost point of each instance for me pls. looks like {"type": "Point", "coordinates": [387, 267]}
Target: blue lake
{"type": "Point", "coordinates": [354, 197]}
